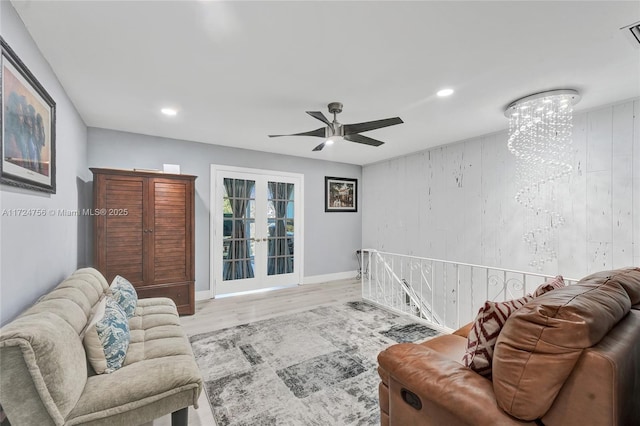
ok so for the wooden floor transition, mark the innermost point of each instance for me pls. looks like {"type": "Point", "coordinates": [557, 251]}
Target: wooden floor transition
{"type": "Point", "coordinates": [216, 314]}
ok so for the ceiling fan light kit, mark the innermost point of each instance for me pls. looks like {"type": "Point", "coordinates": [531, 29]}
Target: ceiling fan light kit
{"type": "Point", "coordinates": [335, 131]}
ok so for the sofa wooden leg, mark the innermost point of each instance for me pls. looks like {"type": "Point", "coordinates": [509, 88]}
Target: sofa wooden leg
{"type": "Point", "coordinates": [180, 417]}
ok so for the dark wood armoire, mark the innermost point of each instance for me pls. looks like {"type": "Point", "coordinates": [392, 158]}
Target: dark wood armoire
{"type": "Point", "coordinates": [144, 231]}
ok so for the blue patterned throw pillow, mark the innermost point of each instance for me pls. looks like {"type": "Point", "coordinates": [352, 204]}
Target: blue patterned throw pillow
{"type": "Point", "coordinates": [125, 294]}
{"type": "Point", "coordinates": [107, 338]}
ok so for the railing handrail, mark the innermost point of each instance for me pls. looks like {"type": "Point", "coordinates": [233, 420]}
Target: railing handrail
{"type": "Point", "coordinates": [473, 265]}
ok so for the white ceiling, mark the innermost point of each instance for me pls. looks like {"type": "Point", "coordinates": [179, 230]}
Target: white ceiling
{"type": "Point", "coordinates": [238, 71]}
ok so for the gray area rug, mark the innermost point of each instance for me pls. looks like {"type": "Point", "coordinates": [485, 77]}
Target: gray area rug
{"type": "Point", "coordinates": [317, 367]}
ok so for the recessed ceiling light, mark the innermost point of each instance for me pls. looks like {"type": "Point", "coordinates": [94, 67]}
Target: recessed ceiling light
{"type": "Point", "coordinates": [445, 92]}
{"type": "Point", "coordinates": [169, 111]}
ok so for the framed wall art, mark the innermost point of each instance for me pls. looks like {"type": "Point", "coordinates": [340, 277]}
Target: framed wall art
{"type": "Point", "coordinates": [28, 135]}
{"type": "Point", "coordinates": [340, 194]}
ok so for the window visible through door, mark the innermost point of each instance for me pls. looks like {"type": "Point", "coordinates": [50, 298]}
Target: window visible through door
{"type": "Point", "coordinates": [256, 229]}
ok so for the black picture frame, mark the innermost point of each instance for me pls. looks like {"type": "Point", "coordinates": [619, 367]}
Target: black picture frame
{"type": "Point", "coordinates": [28, 127]}
{"type": "Point", "coordinates": [340, 194]}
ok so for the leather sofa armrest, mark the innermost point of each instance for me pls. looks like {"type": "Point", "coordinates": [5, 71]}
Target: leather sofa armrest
{"type": "Point", "coordinates": [443, 383]}
{"type": "Point", "coordinates": [464, 330]}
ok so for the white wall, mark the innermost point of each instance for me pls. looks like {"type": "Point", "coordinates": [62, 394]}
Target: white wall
{"type": "Point", "coordinates": [36, 253]}
{"type": "Point", "coordinates": [331, 239]}
{"type": "Point", "coordinates": [457, 202]}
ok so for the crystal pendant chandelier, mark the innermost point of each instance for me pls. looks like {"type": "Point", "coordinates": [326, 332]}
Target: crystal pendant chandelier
{"type": "Point", "coordinates": [540, 138]}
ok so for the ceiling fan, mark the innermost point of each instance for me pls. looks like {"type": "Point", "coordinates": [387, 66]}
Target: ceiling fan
{"type": "Point", "coordinates": [351, 132]}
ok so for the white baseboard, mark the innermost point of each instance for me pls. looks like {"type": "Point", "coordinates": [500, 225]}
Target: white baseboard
{"type": "Point", "coordinates": [203, 295]}
{"type": "Point", "coordinates": [317, 279]}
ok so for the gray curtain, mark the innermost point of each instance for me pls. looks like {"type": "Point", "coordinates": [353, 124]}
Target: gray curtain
{"type": "Point", "coordinates": [238, 263]}
{"type": "Point", "coordinates": [280, 244]}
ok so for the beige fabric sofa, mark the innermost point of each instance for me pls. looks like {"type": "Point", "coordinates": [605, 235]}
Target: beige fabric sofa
{"type": "Point", "coordinates": [45, 378]}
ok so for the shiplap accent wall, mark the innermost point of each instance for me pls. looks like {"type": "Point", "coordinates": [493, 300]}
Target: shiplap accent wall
{"type": "Point", "coordinates": [456, 202]}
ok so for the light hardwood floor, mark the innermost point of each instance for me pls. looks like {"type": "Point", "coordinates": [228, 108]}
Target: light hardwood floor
{"type": "Point", "coordinates": [216, 314]}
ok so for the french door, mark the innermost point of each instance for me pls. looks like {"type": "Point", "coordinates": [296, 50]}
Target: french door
{"type": "Point", "coordinates": [256, 229]}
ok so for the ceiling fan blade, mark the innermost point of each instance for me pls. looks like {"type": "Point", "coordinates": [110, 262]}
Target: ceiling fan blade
{"type": "Point", "coordinates": [320, 133]}
{"type": "Point", "coordinates": [320, 116]}
{"type": "Point", "coordinates": [319, 147]}
{"type": "Point", "coordinates": [363, 139]}
{"type": "Point", "coordinates": [350, 129]}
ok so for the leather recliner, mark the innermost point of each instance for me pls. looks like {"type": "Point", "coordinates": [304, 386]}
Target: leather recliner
{"type": "Point", "coordinates": [568, 357]}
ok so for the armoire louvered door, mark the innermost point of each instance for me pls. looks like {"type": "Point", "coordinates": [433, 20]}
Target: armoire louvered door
{"type": "Point", "coordinates": [144, 231]}
{"type": "Point", "coordinates": [171, 207]}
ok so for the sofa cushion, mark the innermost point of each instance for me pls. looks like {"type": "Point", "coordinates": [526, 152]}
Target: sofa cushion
{"type": "Point", "coordinates": [552, 284]}
{"type": "Point", "coordinates": [604, 386]}
{"type": "Point", "coordinates": [484, 333]}
{"type": "Point", "coordinates": [42, 349]}
{"type": "Point", "coordinates": [107, 337]}
{"type": "Point", "coordinates": [124, 392]}
{"type": "Point", "coordinates": [541, 342]}
{"type": "Point", "coordinates": [125, 294]}
{"type": "Point", "coordinates": [155, 306]}
{"type": "Point", "coordinates": [156, 332]}
{"type": "Point", "coordinates": [93, 277]}
{"type": "Point", "coordinates": [628, 278]}
{"type": "Point", "coordinates": [159, 349]}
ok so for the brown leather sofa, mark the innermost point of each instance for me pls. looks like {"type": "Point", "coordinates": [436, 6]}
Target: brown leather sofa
{"type": "Point", "coordinates": [569, 357]}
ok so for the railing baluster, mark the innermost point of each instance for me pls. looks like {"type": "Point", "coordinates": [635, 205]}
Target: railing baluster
{"type": "Point", "coordinates": [433, 286]}
{"type": "Point", "coordinates": [369, 270]}
{"type": "Point", "coordinates": [402, 296]}
{"type": "Point", "coordinates": [504, 285]}
{"type": "Point", "coordinates": [457, 298]}
{"type": "Point", "coordinates": [486, 283]}
{"type": "Point", "coordinates": [421, 287]}
{"type": "Point", "coordinates": [446, 302]}
{"type": "Point", "coordinates": [393, 265]}
{"type": "Point", "coordinates": [473, 303]}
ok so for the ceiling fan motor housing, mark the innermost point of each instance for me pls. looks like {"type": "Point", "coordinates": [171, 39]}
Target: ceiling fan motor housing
{"type": "Point", "coordinates": [334, 129]}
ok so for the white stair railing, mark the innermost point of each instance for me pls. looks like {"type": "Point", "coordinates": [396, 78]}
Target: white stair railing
{"type": "Point", "coordinates": [444, 293]}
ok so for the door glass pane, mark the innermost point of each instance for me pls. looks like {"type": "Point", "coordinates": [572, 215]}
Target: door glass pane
{"type": "Point", "coordinates": [280, 217]}
{"type": "Point", "coordinates": [239, 228]}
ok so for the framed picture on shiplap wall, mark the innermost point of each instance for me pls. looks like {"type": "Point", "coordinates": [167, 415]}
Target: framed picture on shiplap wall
{"type": "Point", "coordinates": [340, 194]}
{"type": "Point", "coordinates": [28, 136]}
